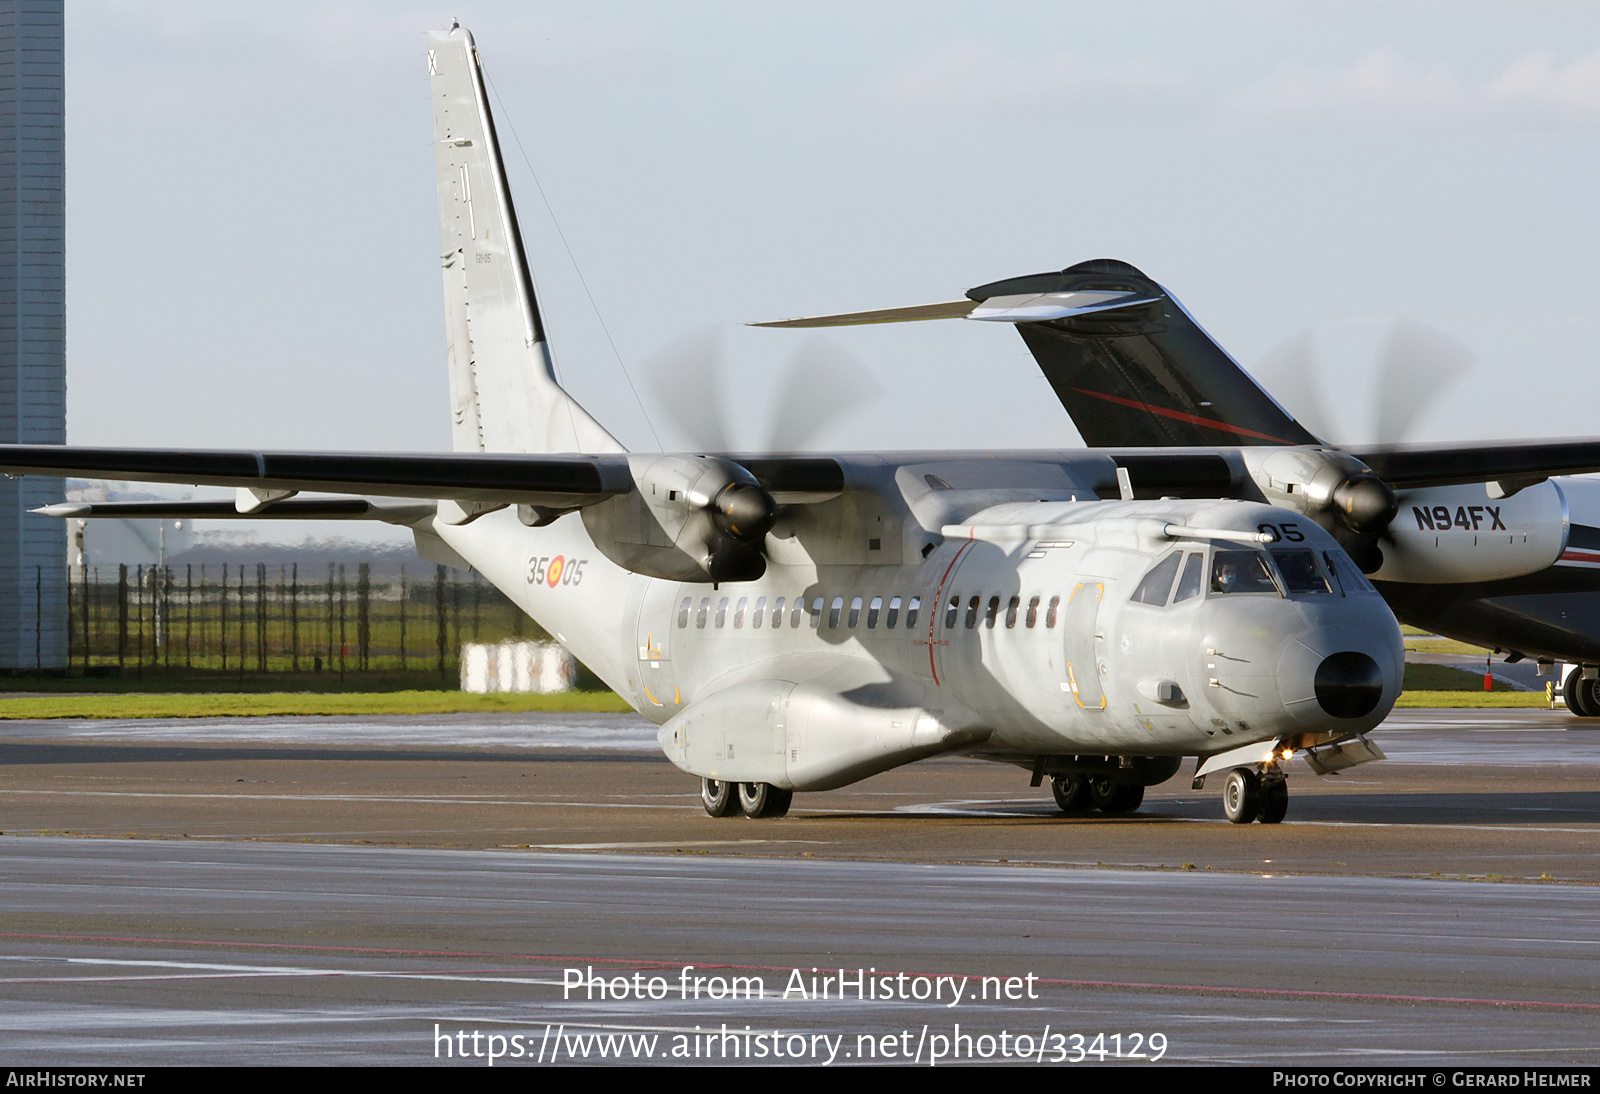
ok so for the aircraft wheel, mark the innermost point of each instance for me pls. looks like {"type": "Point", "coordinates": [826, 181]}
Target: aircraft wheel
{"type": "Point", "coordinates": [720, 799]}
{"type": "Point", "coordinates": [757, 800]}
{"type": "Point", "coordinates": [1583, 696]}
{"type": "Point", "coordinates": [1274, 801]}
{"type": "Point", "coordinates": [1110, 796]}
{"type": "Point", "coordinates": [1241, 796]}
{"type": "Point", "coordinates": [1574, 694]}
{"type": "Point", "coordinates": [1071, 793]}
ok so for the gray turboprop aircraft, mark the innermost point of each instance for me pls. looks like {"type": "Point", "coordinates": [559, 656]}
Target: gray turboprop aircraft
{"type": "Point", "coordinates": [1474, 542]}
{"type": "Point", "coordinates": [800, 622]}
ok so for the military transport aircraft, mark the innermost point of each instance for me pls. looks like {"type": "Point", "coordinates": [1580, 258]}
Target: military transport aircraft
{"type": "Point", "coordinates": [800, 622]}
{"type": "Point", "coordinates": [1477, 542]}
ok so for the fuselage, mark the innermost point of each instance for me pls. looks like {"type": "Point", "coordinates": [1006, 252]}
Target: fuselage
{"type": "Point", "coordinates": [1016, 629]}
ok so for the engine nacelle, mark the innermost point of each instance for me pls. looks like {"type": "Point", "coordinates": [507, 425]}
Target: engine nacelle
{"type": "Point", "coordinates": [688, 518]}
{"type": "Point", "coordinates": [1453, 534]}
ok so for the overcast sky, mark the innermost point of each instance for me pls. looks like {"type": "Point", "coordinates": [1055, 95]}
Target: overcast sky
{"type": "Point", "coordinates": [253, 236]}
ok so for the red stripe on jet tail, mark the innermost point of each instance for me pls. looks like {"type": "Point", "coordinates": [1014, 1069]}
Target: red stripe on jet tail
{"type": "Point", "coordinates": [1574, 555]}
{"type": "Point", "coordinates": [1192, 419]}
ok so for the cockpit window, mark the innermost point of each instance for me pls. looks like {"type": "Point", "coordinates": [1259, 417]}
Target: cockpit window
{"type": "Point", "coordinates": [1299, 570]}
{"type": "Point", "coordinates": [1158, 582]}
{"type": "Point", "coordinates": [1189, 584]}
{"type": "Point", "coordinates": [1241, 572]}
{"type": "Point", "coordinates": [1347, 574]}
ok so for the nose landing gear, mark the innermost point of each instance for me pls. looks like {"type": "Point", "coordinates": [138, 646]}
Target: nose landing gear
{"type": "Point", "coordinates": [1249, 796]}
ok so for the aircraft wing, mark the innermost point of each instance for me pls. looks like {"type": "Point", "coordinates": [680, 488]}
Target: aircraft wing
{"type": "Point", "coordinates": [394, 511]}
{"type": "Point", "coordinates": [550, 481]}
{"type": "Point", "coordinates": [1418, 465]}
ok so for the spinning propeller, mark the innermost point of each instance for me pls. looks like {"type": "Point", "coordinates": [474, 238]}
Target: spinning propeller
{"type": "Point", "coordinates": [730, 511]}
{"type": "Point", "coordinates": [1417, 367]}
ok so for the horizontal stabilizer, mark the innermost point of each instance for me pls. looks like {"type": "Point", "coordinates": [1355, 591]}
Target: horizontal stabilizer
{"type": "Point", "coordinates": [954, 309]}
{"type": "Point", "coordinates": [1041, 307]}
{"type": "Point", "coordinates": [1012, 308]}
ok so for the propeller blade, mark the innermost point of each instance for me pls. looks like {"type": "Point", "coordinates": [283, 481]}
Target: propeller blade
{"type": "Point", "coordinates": [823, 381]}
{"type": "Point", "coordinates": [1288, 372]}
{"type": "Point", "coordinates": [1419, 365]}
{"type": "Point", "coordinates": [685, 376]}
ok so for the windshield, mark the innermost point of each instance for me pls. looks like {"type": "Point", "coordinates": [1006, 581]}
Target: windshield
{"type": "Point", "coordinates": [1299, 570]}
{"type": "Point", "coordinates": [1241, 572]}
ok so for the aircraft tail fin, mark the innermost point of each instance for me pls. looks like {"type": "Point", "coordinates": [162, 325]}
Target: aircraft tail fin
{"type": "Point", "coordinates": [503, 390]}
{"type": "Point", "coordinates": [1130, 366]}
{"type": "Point", "coordinates": [1143, 374]}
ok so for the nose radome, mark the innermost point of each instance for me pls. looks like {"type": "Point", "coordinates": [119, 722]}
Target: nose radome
{"type": "Point", "coordinates": [1348, 684]}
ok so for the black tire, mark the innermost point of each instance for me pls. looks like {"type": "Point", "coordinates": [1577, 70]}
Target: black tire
{"type": "Point", "coordinates": [1071, 793]}
{"type": "Point", "coordinates": [1274, 801]}
{"type": "Point", "coordinates": [1575, 694]}
{"type": "Point", "coordinates": [1241, 796]}
{"type": "Point", "coordinates": [720, 799]}
{"type": "Point", "coordinates": [760, 800]}
{"type": "Point", "coordinates": [1110, 796]}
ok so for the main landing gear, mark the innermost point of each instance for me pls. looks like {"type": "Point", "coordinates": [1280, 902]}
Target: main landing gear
{"type": "Point", "coordinates": [1076, 794]}
{"type": "Point", "coordinates": [1582, 696]}
{"type": "Point", "coordinates": [1248, 795]}
{"type": "Point", "coordinates": [756, 800]}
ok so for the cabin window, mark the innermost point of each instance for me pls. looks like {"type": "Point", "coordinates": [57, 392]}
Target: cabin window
{"type": "Point", "coordinates": [722, 612]}
{"type": "Point", "coordinates": [759, 614]}
{"type": "Point", "coordinates": [799, 612]}
{"type": "Point", "coordinates": [816, 613]}
{"type": "Point", "coordinates": [1033, 612]}
{"type": "Point", "coordinates": [683, 611]}
{"type": "Point", "coordinates": [1011, 611]}
{"type": "Point", "coordinates": [872, 611]}
{"type": "Point", "coordinates": [1241, 572]}
{"type": "Point", "coordinates": [705, 609]}
{"type": "Point", "coordinates": [738, 612]}
{"type": "Point", "coordinates": [911, 611]}
{"type": "Point", "coordinates": [1189, 583]}
{"type": "Point", "coordinates": [1299, 570]}
{"type": "Point", "coordinates": [894, 612]}
{"type": "Point", "coordinates": [1050, 612]}
{"type": "Point", "coordinates": [855, 612]}
{"type": "Point", "coordinates": [993, 612]}
{"type": "Point", "coordinates": [950, 612]}
{"type": "Point", "coordinates": [1158, 582]}
{"type": "Point", "coordinates": [835, 611]}
{"type": "Point", "coordinates": [972, 611]}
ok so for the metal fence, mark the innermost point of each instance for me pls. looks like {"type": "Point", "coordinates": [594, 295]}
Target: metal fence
{"type": "Point", "coordinates": [252, 619]}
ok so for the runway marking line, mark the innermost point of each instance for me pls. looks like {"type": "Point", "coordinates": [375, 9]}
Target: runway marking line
{"type": "Point", "coordinates": [423, 800]}
{"type": "Point", "coordinates": [1127, 985]}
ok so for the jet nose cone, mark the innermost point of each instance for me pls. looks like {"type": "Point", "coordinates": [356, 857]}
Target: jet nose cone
{"type": "Point", "coordinates": [1349, 684]}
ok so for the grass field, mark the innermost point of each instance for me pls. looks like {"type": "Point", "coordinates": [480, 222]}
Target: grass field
{"type": "Point", "coordinates": [300, 703]}
{"type": "Point", "coordinates": [1526, 700]}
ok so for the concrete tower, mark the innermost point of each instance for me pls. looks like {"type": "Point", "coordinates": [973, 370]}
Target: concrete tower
{"type": "Point", "coordinates": [33, 379]}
